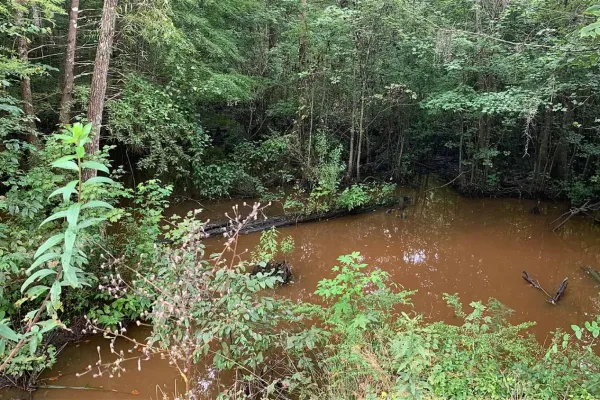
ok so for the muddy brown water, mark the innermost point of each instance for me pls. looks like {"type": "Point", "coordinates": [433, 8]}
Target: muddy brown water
{"type": "Point", "coordinates": [446, 244]}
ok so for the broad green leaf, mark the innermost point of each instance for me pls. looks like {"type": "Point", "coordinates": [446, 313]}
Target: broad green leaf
{"type": "Point", "coordinates": [6, 332]}
{"type": "Point", "coordinates": [57, 215]}
{"type": "Point", "coordinates": [96, 204]}
{"type": "Point", "coordinates": [65, 138]}
{"type": "Point", "coordinates": [70, 165]}
{"type": "Point", "coordinates": [55, 294]}
{"type": "Point", "coordinates": [593, 10]}
{"type": "Point", "coordinates": [39, 261]}
{"type": "Point", "coordinates": [48, 325]}
{"type": "Point", "coordinates": [591, 30]}
{"type": "Point", "coordinates": [32, 294]}
{"type": "Point", "coordinates": [41, 274]}
{"type": "Point", "coordinates": [66, 158]}
{"type": "Point", "coordinates": [85, 135]}
{"type": "Point", "coordinates": [95, 165]}
{"type": "Point", "coordinates": [70, 237]}
{"type": "Point", "coordinates": [49, 243]}
{"type": "Point", "coordinates": [66, 190]}
{"type": "Point", "coordinates": [98, 179]}
{"type": "Point", "coordinates": [90, 222]}
{"type": "Point", "coordinates": [80, 150]}
{"type": "Point", "coordinates": [33, 344]}
{"type": "Point", "coordinates": [73, 214]}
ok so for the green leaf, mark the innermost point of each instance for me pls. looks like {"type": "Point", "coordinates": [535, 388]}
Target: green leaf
{"type": "Point", "coordinates": [49, 243]}
{"type": "Point", "coordinates": [96, 204]}
{"type": "Point", "coordinates": [7, 333]}
{"type": "Point", "coordinates": [33, 344]}
{"type": "Point", "coordinates": [593, 10]}
{"type": "Point", "coordinates": [80, 151]}
{"type": "Point", "coordinates": [90, 222]}
{"type": "Point", "coordinates": [32, 294]}
{"type": "Point", "coordinates": [70, 165]}
{"type": "Point", "coordinates": [95, 165]}
{"type": "Point", "coordinates": [41, 274]}
{"type": "Point", "coordinates": [48, 325]}
{"type": "Point", "coordinates": [60, 214]}
{"type": "Point", "coordinates": [65, 138]}
{"type": "Point", "coordinates": [70, 237]}
{"type": "Point", "coordinates": [98, 179]}
{"type": "Point", "coordinates": [39, 261]}
{"type": "Point", "coordinates": [66, 158]}
{"type": "Point", "coordinates": [55, 294]}
{"type": "Point", "coordinates": [66, 190]}
{"type": "Point", "coordinates": [73, 214]}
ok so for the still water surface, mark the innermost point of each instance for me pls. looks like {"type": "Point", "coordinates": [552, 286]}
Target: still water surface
{"type": "Point", "coordinates": [446, 244]}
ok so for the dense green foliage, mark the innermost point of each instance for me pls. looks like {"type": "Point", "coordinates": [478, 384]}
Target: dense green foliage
{"type": "Point", "coordinates": [241, 95]}
{"type": "Point", "coordinates": [314, 103]}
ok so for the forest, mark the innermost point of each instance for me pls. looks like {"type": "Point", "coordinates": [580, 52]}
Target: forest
{"type": "Point", "coordinates": [113, 111]}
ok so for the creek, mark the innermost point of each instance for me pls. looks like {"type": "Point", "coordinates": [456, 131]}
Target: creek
{"type": "Point", "coordinates": [445, 243]}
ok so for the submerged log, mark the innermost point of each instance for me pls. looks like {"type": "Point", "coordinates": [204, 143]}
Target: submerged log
{"type": "Point", "coordinates": [560, 293]}
{"type": "Point", "coordinates": [281, 269]}
{"type": "Point", "coordinates": [530, 280]}
{"type": "Point", "coordinates": [535, 284]}
{"type": "Point", "coordinates": [592, 272]}
{"type": "Point", "coordinates": [288, 220]}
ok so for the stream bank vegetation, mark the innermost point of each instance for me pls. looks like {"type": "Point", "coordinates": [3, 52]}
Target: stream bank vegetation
{"type": "Point", "coordinates": [108, 108]}
{"type": "Point", "coordinates": [359, 340]}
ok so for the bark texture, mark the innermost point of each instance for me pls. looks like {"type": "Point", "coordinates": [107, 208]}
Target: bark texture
{"type": "Point", "coordinates": [69, 77]}
{"type": "Point", "coordinates": [99, 79]}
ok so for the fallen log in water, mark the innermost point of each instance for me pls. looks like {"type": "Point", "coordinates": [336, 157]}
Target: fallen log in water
{"type": "Point", "coordinates": [560, 293]}
{"type": "Point", "coordinates": [551, 299]}
{"type": "Point", "coordinates": [592, 272]}
{"type": "Point", "coordinates": [531, 281]}
{"type": "Point", "coordinates": [288, 220]}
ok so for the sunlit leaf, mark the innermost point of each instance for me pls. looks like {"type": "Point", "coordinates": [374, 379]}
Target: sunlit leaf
{"type": "Point", "coordinates": [6, 332]}
{"type": "Point", "coordinates": [98, 179]}
{"type": "Point", "coordinates": [57, 215]}
{"type": "Point", "coordinates": [95, 165]}
{"type": "Point", "coordinates": [49, 243]}
{"type": "Point", "coordinates": [66, 190]}
{"type": "Point", "coordinates": [41, 274]}
{"type": "Point", "coordinates": [73, 214]}
{"type": "Point", "coordinates": [96, 204]}
{"type": "Point", "coordinates": [70, 165]}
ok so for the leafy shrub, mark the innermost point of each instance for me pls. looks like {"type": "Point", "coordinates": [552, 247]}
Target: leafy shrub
{"type": "Point", "coordinates": [353, 197]}
{"type": "Point", "coordinates": [59, 261]}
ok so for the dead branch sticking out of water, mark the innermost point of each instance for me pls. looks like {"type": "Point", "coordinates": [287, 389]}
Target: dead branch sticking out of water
{"type": "Point", "coordinates": [592, 272]}
{"type": "Point", "coordinates": [586, 208]}
{"type": "Point", "coordinates": [560, 293]}
{"type": "Point", "coordinates": [551, 299]}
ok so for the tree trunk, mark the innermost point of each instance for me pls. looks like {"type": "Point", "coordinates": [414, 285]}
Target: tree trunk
{"type": "Point", "coordinates": [304, 28]}
{"type": "Point", "coordinates": [99, 79]}
{"type": "Point", "coordinates": [26, 94]}
{"type": "Point", "coordinates": [69, 78]}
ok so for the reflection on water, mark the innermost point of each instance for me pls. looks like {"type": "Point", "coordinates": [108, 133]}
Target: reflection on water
{"type": "Point", "coordinates": [446, 244]}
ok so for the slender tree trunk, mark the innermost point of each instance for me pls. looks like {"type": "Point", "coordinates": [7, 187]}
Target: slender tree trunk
{"type": "Point", "coordinates": [352, 129]}
{"type": "Point", "coordinates": [26, 94]}
{"type": "Point", "coordinates": [69, 78]}
{"type": "Point", "coordinates": [302, 48]}
{"type": "Point", "coordinates": [99, 79]}
{"type": "Point", "coordinates": [361, 129]}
